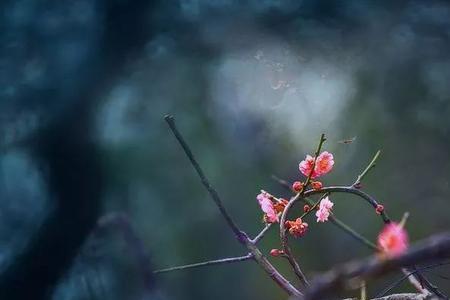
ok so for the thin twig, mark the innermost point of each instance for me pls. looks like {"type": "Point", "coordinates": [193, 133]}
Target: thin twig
{"type": "Point", "coordinates": [353, 233]}
{"type": "Point", "coordinates": [314, 206]}
{"type": "Point", "coordinates": [283, 236]}
{"type": "Point", "coordinates": [363, 291]}
{"type": "Point", "coordinates": [418, 280]}
{"type": "Point", "coordinates": [349, 190]}
{"type": "Point", "coordinates": [282, 182]}
{"type": "Point", "coordinates": [241, 236]}
{"type": "Point", "coordinates": [303, 194]}
{"type": "Point", "coordinates": [434, 248]}
{"type": "Point", "coordinates": [333, 219]}
{"type": "Point", "coordinates": [212, 192]}
{"type": "Point", "coordinates": [425, 283]}
{"type": "Point", "coordinates": [403, 278]}
{"type": "Point", "coordinates": [367, 169]}
{"type": "Point", "coordinates": [316, 154]}
{"type": "Point", "coordinates": [261, 234]}
{"type": "Point", "coordinates": [206, 263]}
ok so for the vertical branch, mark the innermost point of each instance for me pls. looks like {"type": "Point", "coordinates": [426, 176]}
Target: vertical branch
{"type": "Point", "coordinates": [283, 237]}
{"type": "Point", "coordinates": [212, 192]}
{"type": "Point", "coordinates": [319, 147]}
{"type": "Point", "coordinates": [240, 235]}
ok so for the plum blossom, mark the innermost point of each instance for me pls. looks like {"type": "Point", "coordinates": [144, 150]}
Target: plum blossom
{"type": "Point", "coordinates": [317, 185]}
{"type": "Point", "coordinates": [306, 166]}
{"type": "Point", "coordinates": [280, 205]}
{"type": "Point", "coordinates": [267, 207]}
{"type": "Point", "coordinates": [393, 240]}
{"type": "Point", "coordinates": [325, 207]}
{"type": "Point", "coordinates": [324, 164]}
{"type": "Point", "coordinates": [297, 228]}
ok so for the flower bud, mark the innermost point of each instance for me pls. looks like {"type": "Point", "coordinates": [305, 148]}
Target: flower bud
{"type": "Point", "coordinates": [379, 209]}
{"type": "Point", "coordinates": [276, 252]}
{"type": "Point", "coordinates": [358, 185]}
{"type": "Point", "coordinates": [297, 186]}
{"type": "Point", "coordinates": [306, 208]}
{"type": "Point", "coordinates": [317, 185]}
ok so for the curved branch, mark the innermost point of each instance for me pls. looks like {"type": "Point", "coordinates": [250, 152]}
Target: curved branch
{"type": "Point", "coordinates": [333, 219]}
{"type": "Point", "coordinates": [424, 282]}
{"type": "Point", "coordinates": [349, 190]}
{"type": "Point", "coordinates": [298, 197]}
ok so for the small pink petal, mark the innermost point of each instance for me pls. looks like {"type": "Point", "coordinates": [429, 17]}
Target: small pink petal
{"type": "Point", "coordinates": [306, 166]}
{"type": "Point", "coordinates": [267, 207]}
{"type": "Point", "coordinates": [325, 207]}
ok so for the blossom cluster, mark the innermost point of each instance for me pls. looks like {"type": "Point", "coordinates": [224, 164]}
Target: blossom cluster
{"type": "Point", "coordinates": [311, 167]}
{"type": "Point", "coordinates": [324, 211]}
{"type": "Point", "coordinates": [392, 240]}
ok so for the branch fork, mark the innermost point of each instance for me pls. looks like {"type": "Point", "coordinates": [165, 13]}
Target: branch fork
{"type": "Point", "coordinates": [251, 245]}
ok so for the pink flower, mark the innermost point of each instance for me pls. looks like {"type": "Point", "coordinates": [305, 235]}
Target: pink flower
{"type": "Point", "coordinates": [324, 164]}
{"type": "Point", "coordinates": [393, 240]}
{"type": "Point", "coordinates": [297, 228]}
{"type": "Point", "coordinates": [306, 166]}
{"type": "Point", "coordinates": [325, 207]}
{"type": "Point", "coordinates": [267, 207]}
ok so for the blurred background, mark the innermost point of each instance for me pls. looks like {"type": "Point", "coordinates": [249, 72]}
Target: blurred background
{"type": "Point", "coordinates": [85, 86]}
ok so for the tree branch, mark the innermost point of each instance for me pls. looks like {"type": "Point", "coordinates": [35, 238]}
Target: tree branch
{"type": "Point", "coordinates": [283, 237]}
{"type": "Point", "coordinates": [420, 280]}
{"type": "Point", "coordinates": [212, 192]}
{"type": "Point", "coordinates": [435, 248]}
{"type": "Point", "coordinates": [405, 277]}
{"type": "Point", "coordinates": [206, 263]}
{"type": "Point", "coordinates": [333, 219]}
{"type": "Point", "coordinates": [261, 234]}
{"type": "Point", "coordinates": [241, 236]}
{"type": "Point", "coordinates": [367, 169]}
{"type": "Point", "coordinates": [349, 190]}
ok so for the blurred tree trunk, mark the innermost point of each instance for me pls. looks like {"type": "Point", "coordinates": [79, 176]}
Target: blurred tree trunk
{"type": "Point", "coordinates": [70, 160]}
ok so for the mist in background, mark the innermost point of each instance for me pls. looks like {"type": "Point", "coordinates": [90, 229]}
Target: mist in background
{"type": "Point", "coordinates": [252, 85]}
